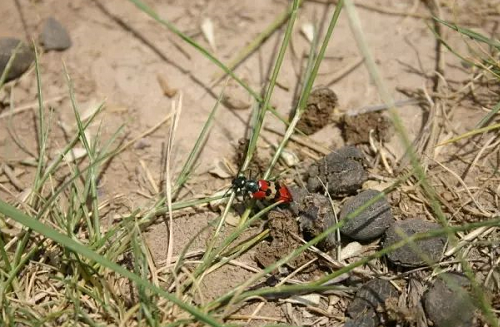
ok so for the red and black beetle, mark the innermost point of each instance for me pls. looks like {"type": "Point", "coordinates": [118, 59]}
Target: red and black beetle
{"type": "Point", "coordinates": [262, 189]}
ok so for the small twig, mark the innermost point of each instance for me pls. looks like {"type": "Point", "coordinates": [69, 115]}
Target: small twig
{"type": "Point", "coordinates": [379, 107]}
{"type": "Point", "coordinates": [311, 144]}
{"type": "Point", "coordinates": [345, 71]}
{"type": "Point", "coordinates": [29, 106]}
{"type": "Point", "coordinates": [12, 177]}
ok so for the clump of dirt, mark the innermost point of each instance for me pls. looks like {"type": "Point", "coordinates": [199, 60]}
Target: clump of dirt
{"type": "Point", "coordinates": [316, 216]}
{"type": "Point", "coordinates": [412, 255]}
{"type": "Point", "coordinates": [357, 129]}
{"type": "Point", "coordinates": [342, 172]}
{"type": "Point", "coordinates": [284, 235]}
{"type": "Point", "coordinates": [371, 222]}
{"type": "Point", "coordinates": [448, 302]}
{"type": "Point", "coordinates": [368, 306]}
{"type": "Point", "coordinates": [319, 110]}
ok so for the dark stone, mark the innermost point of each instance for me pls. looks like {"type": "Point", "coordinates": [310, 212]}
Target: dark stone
{"type": "Point", "coordinates": [413, 254]}
{"type": "Point", "coordinates": [371, 222]}
{"type": "Point", "coordinates": [448, 302]}
{"type": "Point", "coordinates": [342, 171]}
{"type": "Point", "coordinates": [54, 36]}
{"type": "Point", "coordinates": [24, 57]}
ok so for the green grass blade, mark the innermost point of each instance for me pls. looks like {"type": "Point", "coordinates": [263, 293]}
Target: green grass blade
{"type": "Point", "coordinates": [274, 76]}
{"type": "Point", "coordinates": [490, 115]}
{"type": "Point", "coordinates": [467, 32]}
{"type": "Point", "coordinates": [301, 106]}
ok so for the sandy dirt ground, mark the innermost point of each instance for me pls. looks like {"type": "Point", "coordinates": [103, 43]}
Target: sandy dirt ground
{"type": "Point", "coordinates": [118, 55]}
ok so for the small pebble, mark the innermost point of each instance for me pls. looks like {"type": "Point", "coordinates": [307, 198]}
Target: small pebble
{"type": "Point", "coordinates": [342, 171]}
{"type": "Point", "coordinates": [54, 36]}
{"type": "Point", "coordinates": [370, 299]}
{"type": "Point", "coordinates": [24, 57]}
{"type": "Point", "coordinates": [142, 144]}
{"type": "Point", "coordinates": [405, 256]}
{"type": "Point", "coordinates": [236, 97]}
{"type": "Point", "coordinates": [448, 303]}
{"type": "Point", "coordinates": [371, 222]}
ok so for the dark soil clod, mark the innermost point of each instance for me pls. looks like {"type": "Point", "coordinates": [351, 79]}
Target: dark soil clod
{"type": "Point", "coordinates": [371, 222]}
{"type": "Point", "coordinates": [448, 303]}
{"type": "Point", "coordinates": [342, 171]}
{"type": "Point", "coordinates": [283, 232]}
{"type": "Point", "coordinates": [319, 111]}
{"type": "Point", "coordinates": [316, 216]}
{"type": "Point", "coordinates": [24, 57]}
{"type": "Point", "coordinates": [370, 299]}
{"type": "Point", "coordinates": [356, 129]}
{"type": "Point", "coordinates": [416, 253]}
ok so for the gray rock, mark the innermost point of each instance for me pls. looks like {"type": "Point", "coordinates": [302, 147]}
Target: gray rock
{"type": "Point", "coordinates": [24, 57]}
{"type": "Point", "coordinates": [54, 36]}
{"type": "Point", "coordinates": [448, 303]}
{"type": "Point", "coordinates": [414, 254]}
{"type": "Point", "coordinates": [342, 171]}
{"type": "Point", "coordinates": [371, 222]}
{"type": "Point", "coordinates": [371, 298]}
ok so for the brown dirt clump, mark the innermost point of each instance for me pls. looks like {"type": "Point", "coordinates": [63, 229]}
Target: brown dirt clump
{"type": "Point", "coordinates": [316, 216]}
{"type": "Point", "coordinates": [284, 237]}
{"type": "Point", "coordinates": [357, 129]}
{"type": "Point", "coordinates": [319, 111]}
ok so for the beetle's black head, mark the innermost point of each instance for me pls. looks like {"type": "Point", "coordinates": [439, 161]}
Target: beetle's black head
{"type": "Point", "coordinates": [239, 184]}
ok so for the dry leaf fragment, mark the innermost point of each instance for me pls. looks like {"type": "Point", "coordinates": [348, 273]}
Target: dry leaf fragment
{"type": "Point", "coordinates": [351, 250]}
{"type": "Point", "coordinates": [207, 28]}
{"type": "Point", "coordinates": [165, 86]}
{"type": "Point", "coordinates": [308, 30]}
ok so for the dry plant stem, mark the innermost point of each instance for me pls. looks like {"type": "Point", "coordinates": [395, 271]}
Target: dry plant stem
{"type": "Point", "coordinates": [168, 189]}
{"type": "Point", "coordinates": [380, 107]}
{"type": "Point", "coordinates": [478, 156]}
{"type": "Point", "coordinates": [305, 141]}
{"type": "Point", "coordinates": [461, 181]}
{"type": "Point", "coordinates": [471, 133]}
{"type": "Point", "coordinates": [355, 63]}
{"type": "Point", "coordinates": [33, 105]}
{"type": "Point", "coordinates": [383, 10]}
